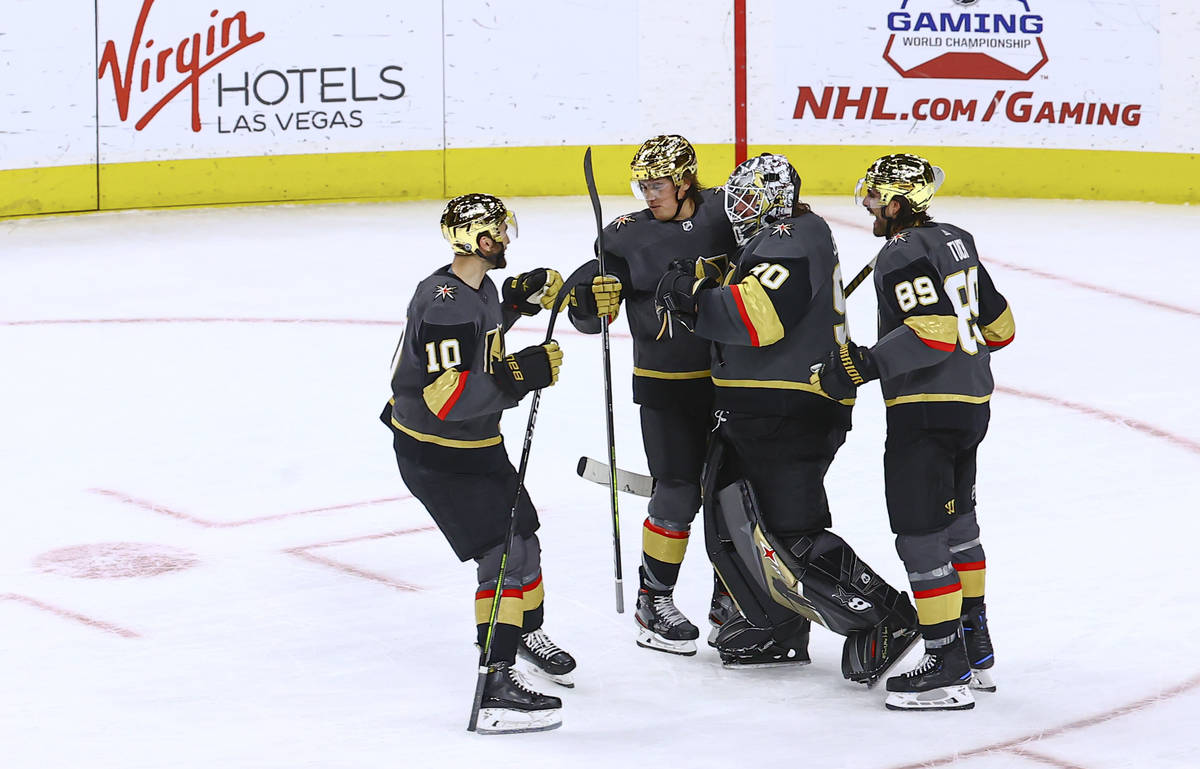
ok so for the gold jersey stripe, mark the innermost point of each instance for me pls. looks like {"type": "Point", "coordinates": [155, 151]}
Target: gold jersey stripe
{"type": "Point", "coordinates": [938, 398]}
{"type": "Point", "coordinates": [1001, 329]}
{"type": "Point", "coordinates": [440, 441]}
{"type": "Point", "coordinates": [760, 312]}
{"type": "Point", "coordinates": [935, 328]}
{"type": "Point", "coordinates": [779, 384]}
{"type": "Point", "coordinates": [441, 390]}
{"type": "Point", "coordinates": [652, 374]}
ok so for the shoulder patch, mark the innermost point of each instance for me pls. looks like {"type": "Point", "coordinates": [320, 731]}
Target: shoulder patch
{"type": "Point", "coordinates": [899, 237]}
{"type": "Point", "coordinates": [624, 219]}
{"type": "Point", "coordinates": [783, 229]}
{"type": "Point", "coordinates": [444, 292]}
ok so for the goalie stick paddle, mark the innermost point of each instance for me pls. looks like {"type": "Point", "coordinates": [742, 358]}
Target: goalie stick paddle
{"type": "Point", "coordinates": [485, 657]}
{"type": "Point", "coordinates": [629, 482]}
{"type": "Point", "coordinates": [590, 178]}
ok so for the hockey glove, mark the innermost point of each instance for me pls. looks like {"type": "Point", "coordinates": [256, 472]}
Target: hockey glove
{"type": "Point", "coordinates": [844, 370]}
{"type": "Point", "coordinates": [531, 291]}
{"type": "Point", "coordinates": [674, 300]}
{"type": "Point", "coordinates": [603, 298]}
{"type": "Point", "coordinates": [530, 369]}
{"type": "Point", "coordinates": [712, 269]}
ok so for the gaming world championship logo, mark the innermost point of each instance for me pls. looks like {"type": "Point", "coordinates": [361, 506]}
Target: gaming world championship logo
{"type": "Point", "coordinates": [965, 39]}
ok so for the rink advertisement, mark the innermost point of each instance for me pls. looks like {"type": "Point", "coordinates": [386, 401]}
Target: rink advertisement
{"type": "Point", "coordinates": [1000, 73]}
{"type": "Point", "coordinates": [200, 80]}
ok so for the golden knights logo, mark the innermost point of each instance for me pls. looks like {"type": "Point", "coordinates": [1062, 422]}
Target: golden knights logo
{"type": "Point", "coordinates": [899, 237]}
{"type": "Point", "coordinates": [782, 229]}
{"type": "Point", "coordinates": [444, 293]}
{"type": "Point", "coordinates": [623, 220]}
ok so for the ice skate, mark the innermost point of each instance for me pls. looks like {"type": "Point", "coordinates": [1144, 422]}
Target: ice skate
{"type": "Point", "coordinates": [979, 649]}
{"type": "Point", "coordinates": [510, 706]}
{"type": "Point", "coordinates": [546, 659]}
{"type": "Point", "coordinates": [661, 626]}
{"type": "Point", "coordinates": [742, 645]}
{"type": "Point", "coordinates": [722, 610]}
{"type": "Point", "coordinates": [940, 681]}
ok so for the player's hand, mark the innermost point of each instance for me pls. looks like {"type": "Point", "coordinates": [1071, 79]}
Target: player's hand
{"type": "Point", "coordinates": [840, 373]}
{"type": "Point", "coordinates": [531, 291]}
{"type": "Point", "coordinates": [602, 297]}
{"type": "Point", "coordinates": [711, 269]}
{"type": "Point", "coordinates": [530, 369]}
{"type": "Point", "coordinates": [674, 300]}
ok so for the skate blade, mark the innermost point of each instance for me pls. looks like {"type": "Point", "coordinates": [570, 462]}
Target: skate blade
{"type": "Point", "coordinates": [982, 681]}
{"type": "Point", "coordinates": [737, 665]}
{"type": "Point", "coordinates": [944, 698]}
{"type": "Point", "coordinates": [891, 663]}
{"type": "Point", "coordinates": [712, 635]}
{"type": "Point", "coordinates": [648, 640]}
{"type": "Point", "coordinates": [532, 669]}
{"type": "Point", "coordinates": [508, 721]}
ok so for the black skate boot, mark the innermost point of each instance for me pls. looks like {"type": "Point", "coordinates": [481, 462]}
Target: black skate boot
{"type": "Point", "coordinates": [509, 706]}
{"type": "Point", "coordinates": [940, 681]}
{"type": "Point", "coordinates": [979, 648]}
{"type": "Point", "coordinates": [742, 645]}
{"type": "Point", "coordinates": [546, 658]}
{"type": "Point", "coordinates": [867, 655]}
{"type": "Point", "coordinates": [663, 627]}
{"type": "Point", "coordinates": [721, 610]}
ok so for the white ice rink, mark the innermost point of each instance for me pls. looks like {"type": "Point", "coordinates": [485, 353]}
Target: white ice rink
{"type": "Point", "coordinates": [208, 558]}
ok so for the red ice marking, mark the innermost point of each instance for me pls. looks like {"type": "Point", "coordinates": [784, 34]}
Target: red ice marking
{"type": "Point", "coordinates": [109, 560]}
{"type": "Point", "coordinates": [1060, 278]}
{"type": "Point", "coordinates": [1020, 745]}
{"type": "Point", "coordinates": [354, 571]}
{"type": "Point", "coordinates": [162, 510]}
{"type": "Point", "coordinates": [1092, 411]}
{"type": "Point", "coordinates": [67, 614]}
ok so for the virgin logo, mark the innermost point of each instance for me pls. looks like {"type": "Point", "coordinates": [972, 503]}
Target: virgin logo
{"type": "Point", "coordinates": [191, 57]}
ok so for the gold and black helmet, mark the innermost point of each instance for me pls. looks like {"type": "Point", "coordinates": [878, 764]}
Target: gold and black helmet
{"type": "Point", "coordinates": [667, 156]}
{"type": "Point", "coordinates": [469, 216]}
{"type": "Point", "coordinates": [911, 177]}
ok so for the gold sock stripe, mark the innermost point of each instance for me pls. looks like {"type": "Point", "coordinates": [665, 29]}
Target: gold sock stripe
{"type": "Point", "coordinates": [940, 604]}
{"type": "Point", "coordinates": [663, 544]}
{"type": "Point", "coordinates": [534, 594]}
{"type": "Point", "coordinates": [510, 613]}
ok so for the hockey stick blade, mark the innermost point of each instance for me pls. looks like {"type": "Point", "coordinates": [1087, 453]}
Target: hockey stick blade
{"type": "Point", "coordinates": [628, 482]}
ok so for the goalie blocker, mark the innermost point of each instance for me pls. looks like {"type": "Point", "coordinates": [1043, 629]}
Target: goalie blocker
{"type": "Point", "coordinates": [817, 577]}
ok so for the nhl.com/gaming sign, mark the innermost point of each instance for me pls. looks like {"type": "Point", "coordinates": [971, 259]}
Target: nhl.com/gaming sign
{"type": "Point", "coordinates": [965, 39]}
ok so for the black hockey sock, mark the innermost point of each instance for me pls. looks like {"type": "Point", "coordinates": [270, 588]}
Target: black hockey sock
{"type": "Point", "coordinates": [971, 603]}
{"type": "Point", "coordinates": [662, 554]}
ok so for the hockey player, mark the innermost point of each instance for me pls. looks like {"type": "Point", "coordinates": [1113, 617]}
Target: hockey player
{"type": "Point", "coordinates": [451, 381]}
{"type": "Point", "coordinates": [940, 317]}
{"type": "Point", "coordinates": [766, 511]}
{"type": "Point", "coordinates": [670, 373]}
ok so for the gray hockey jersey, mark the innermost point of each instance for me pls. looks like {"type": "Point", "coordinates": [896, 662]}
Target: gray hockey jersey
{"type": "Point", "coordinates": [940, 316]}
{"type": "Point", "coordinates": [667, 371]}
{"type": "Point", "coordinates": [445, 401]}
{"type": "Point", "coordinates": [782, 309]}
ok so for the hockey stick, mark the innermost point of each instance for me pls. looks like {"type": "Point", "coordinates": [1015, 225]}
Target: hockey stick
{"type": "Point", "coordinates": [860, 277]}
{"type": "Point", "coordinates": [608, 400]}
{"type": "Point", "coordinates": [629, 482]}
{"type": "Point", "coordinates": [485, 659]}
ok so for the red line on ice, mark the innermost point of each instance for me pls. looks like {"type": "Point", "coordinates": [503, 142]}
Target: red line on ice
{"type": "Point", "coordinates": [163, 510]}
{"type": "Point", "coordinates": [303, 552]}
{"type": "Point", "coordinates": [107, 627]}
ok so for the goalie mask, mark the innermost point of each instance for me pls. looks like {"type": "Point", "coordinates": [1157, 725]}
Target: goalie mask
{"type": "Point", "coordinates": [662, 157]}
{"type": "Point", "coordinates": [760, 192]}
{"type": "Point", "coordinates": [908, 176]}
{"type": "Point", "coordinates": [468, 217]}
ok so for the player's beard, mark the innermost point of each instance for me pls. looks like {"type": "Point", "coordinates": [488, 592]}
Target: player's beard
{"type": "Point", "coordinates": [499, 260]}
{"type": "Point", "coordinates": [881, 227]}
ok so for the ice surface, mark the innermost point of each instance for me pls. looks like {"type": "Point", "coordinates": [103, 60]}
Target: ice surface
{"type": "Point", "coordinates": [190, 402]}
